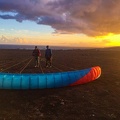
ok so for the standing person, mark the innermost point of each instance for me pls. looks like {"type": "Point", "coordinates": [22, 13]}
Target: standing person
{"type": "Point", "coordinates": [36, 53]}
{"type": "Point", "coordinates": [48, 56]}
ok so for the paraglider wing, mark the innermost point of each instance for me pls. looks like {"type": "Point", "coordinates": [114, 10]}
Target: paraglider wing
{"type": "Point", "coordinates": [48, 80]}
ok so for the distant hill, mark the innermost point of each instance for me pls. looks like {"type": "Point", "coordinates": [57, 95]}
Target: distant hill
{"type": "Point", "coordinates": [112, 48]}
{"type": "Point", "coordinates": [31, 47]}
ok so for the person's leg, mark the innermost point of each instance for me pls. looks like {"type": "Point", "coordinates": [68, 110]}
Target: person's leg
{"type": "Point", "coordinates": [35, 61]}
{"type": "Point", "coordinates": [38, 61]}
{"type": "Point", "coordinates": [51, 62]}
{"type": "Point", "coordinates": [46, 62]}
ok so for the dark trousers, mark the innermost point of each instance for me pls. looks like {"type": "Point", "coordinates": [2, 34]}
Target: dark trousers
{"type": "Point", "coordinates": [48, 61]}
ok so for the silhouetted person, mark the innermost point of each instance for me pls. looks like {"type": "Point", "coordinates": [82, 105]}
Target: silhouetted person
{"type": "Point", "coordinates": [48, 56]}
{"type": "Point", "coordinates": [36, 53]}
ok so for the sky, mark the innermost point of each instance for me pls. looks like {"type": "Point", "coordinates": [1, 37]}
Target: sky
{"type": "Point", "coordinates": [72, 23]}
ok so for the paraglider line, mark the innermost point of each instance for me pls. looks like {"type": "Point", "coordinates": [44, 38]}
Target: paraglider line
{"type": "Point", "coordinates": [26, 65]}
{"type": "Point", "coordinates": [14, 65]}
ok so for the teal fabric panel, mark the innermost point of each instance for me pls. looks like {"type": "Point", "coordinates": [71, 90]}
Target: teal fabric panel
{"type": "Point", "coordinates": [42, 81]}
{"type": "Point", "coordinates": [1, 80]}
{"type": "Point", "coordinates": [16, 83]}
{"type": "Point", "coordinates": [25, 82]}
{"type": "Point", "coordinates": [7, 82]}
{"type": "Point", "coordinates": [34, 81]}
{"type": "Point", "coordinates": [50, 80]}
{"type": "Point", "coordinates": [58, 80]}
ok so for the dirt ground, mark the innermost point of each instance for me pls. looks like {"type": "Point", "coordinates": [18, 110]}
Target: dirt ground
{"type": "Point", "coordinates": [97, 100]}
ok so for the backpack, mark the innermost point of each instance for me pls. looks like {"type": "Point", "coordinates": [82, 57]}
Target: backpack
{"type": "Point", "coordinates": [36, 52]}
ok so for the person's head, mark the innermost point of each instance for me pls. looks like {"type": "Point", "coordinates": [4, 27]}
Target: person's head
{"type": "Point", "coordinates": [47, 46]}
{"type": "Point", "coordinates": [35, 47]}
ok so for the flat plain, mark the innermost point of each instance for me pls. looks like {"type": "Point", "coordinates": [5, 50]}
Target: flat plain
{"type": "Point", "coordinates": [97, 100]}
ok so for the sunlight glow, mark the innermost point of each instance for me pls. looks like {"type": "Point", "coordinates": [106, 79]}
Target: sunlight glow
{"type": "Point", "coordinates": [110, 40]}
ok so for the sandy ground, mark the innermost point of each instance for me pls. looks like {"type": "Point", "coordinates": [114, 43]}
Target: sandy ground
{"type": "Point", "coordinates": [97, 100]}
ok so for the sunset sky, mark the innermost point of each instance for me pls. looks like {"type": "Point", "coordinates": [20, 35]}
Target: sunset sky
{"type": "Point", "coordinates": [72, 23]}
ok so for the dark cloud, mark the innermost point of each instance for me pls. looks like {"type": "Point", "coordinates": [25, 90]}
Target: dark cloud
{"type": "Point", "coordinates": [6, 17]}
{"type": "Point", "coordinates": [91, 17]}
